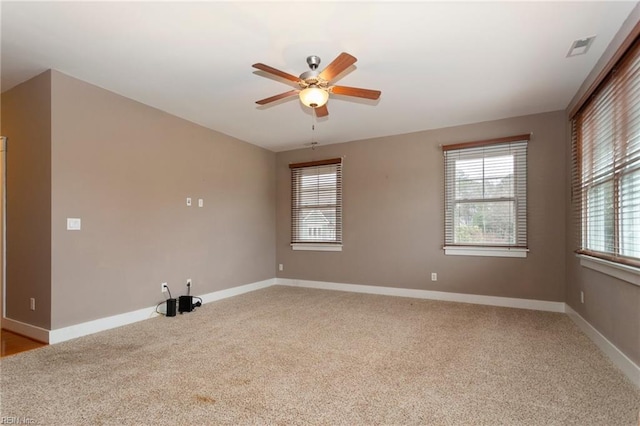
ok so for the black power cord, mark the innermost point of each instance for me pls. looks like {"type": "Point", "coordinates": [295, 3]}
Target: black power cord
{"type": "Point", "coordinates": [157, 306]}
{"type": "Point", "coordinates": [168, 291]}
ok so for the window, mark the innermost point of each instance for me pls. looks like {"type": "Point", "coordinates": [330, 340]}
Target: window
{"type": "Point", "coordinates": [486, 197]}
{"type": "Point", "coordinates": [316, 205]}
{"type": "Point", "coordinates": [606, 165]}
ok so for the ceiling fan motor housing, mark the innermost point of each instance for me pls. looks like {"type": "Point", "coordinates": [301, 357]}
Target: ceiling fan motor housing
{"type": "Point", "coordinates": [312, 77]}
{"type": "Point", "coordinates": [313, 61]}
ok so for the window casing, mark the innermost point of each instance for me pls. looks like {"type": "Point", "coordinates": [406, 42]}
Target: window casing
{"type": "Point", "coordinates": [316, 205]}
{"type": "Point", "coordinates": [486, 197]}
{"type": "Point", "coordinates": [606, 165]}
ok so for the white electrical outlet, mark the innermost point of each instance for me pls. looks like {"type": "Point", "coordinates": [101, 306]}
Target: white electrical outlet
{"type": "Point", "coordinates": [163, 287]}
{"type": "Point", "coordinates": [434, 276]}
{"type": "Point", "coordinates": [281, 267]}
{"type": "Point", "coordinates": [74, 224]}
{"type": "Point", "coordinates": [189, 201]}
{"type": "Point", "coordinates": [32, 303]}
{"type": "Point", "coordinates": [189, 283]}
{"type": "Point", "coordinates": [582, 297]}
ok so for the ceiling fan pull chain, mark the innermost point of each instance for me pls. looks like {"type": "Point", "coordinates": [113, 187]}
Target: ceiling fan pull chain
{"type": "Point", "coordinates": [313, 129]}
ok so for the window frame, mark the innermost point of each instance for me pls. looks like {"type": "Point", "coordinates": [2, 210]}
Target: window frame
{"type": "Point", "coordinates": [588, 173]}
{"type": "Point", "coordinates": [297, 239]}
{"type": "Point", "coordinates": [520, 246]}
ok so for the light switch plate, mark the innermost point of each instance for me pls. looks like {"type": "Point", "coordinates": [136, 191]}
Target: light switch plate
{"type": "Point", "coordinates": [200, 202]}
{"type": "Point", "coordinates": [73, 224]}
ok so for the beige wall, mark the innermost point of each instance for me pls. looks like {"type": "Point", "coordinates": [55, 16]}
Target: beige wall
{"type": "Point", "coordinates": [611, 305]}
{"type": "Point", "coordinates": [126, 170]}
{"type": "Point", "coordinates": [26, 121]}
{"type": "Point", "coordinates": [393, 215]}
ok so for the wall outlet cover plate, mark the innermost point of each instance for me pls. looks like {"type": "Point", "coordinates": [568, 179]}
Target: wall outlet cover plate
{"type": "Point", "coordinates": [74, 224]}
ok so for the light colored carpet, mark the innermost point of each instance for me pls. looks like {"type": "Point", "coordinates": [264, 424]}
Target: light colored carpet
{"type": "Point", "coordinates": [287, 355]}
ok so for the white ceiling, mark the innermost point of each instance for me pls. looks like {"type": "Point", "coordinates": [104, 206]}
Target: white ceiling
{"type": "Point", "coordinates": [437, 64]}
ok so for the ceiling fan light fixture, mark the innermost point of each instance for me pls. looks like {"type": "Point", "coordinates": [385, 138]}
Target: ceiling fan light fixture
{"type": "Point", "coordinates": [314, 97]}
{"type": "Point", "coordinates": [315, 86]}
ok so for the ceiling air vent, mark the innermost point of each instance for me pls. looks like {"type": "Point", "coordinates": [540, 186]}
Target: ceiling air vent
{"type": "Point", "coordinates": [580, 46]}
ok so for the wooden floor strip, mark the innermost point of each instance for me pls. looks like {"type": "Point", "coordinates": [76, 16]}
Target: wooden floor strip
{"type": "Point", "coordinates": [12, 343]}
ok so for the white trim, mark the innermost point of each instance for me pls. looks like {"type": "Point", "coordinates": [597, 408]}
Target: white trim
{"type": "Point", "coordinates": [626, 365]}
{"type": "Point", "coordinates": [85, 328]}
{"type": "Point", "coordinates": [235, 291]}
{"type": "Point", "coordinates": [485, 251]}
{"type": "Point", "coordinates": [37, 333]}
{"type": "Point", "coordinates": [316, 246]}
{"type": "Point", "coordinates": [538, 305]}
{"type": "Point", "coordinates": [617, 270]}
{"type": "Point", "coordinates": [102, 324]}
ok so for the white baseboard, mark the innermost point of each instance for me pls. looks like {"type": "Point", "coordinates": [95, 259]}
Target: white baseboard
{"type": "Point", "coordinates": [32, 331]}
{"type": "Point", "coordinates": [508, 302]}
{"type": "Point", "coordinates": [235, 291]}
{"type": "Point", "coordinates": [84, 329]}
{"type": "Point", "coordinates": [102, 324]}
{"type": "Point", "coordinates": [626, 365]}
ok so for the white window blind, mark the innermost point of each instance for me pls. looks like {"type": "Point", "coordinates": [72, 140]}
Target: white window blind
{"type": "Point", "coordinates": [606, 165]}
{"type": "Point", "coordinates": [316, 202]}
{"type": "Point", "coordinates": [486, 193]}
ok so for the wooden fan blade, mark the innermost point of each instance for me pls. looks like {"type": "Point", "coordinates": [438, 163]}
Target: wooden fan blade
{"type": "Point", "coordinates": [277, 97]}
{"type": "Point", "coordinates": [339, 64]}
{"type": "Point", "coordinates": [271, 70]}
{"type": "Point", "coordinates": [356, 91]}
{"type": "Point", "coordinates": [322, 111]}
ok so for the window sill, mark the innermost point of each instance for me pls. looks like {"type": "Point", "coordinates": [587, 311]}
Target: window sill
{"type": "Point", "coordinates": [316, 247]}
{"type": "Point", "coordinates": [485, 251]}
{"type": "Point", "coordinates": [617, 270]}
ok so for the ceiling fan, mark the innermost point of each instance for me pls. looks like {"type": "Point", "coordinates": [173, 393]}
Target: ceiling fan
{"type": "Point", "coordinates": [315, 85]}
